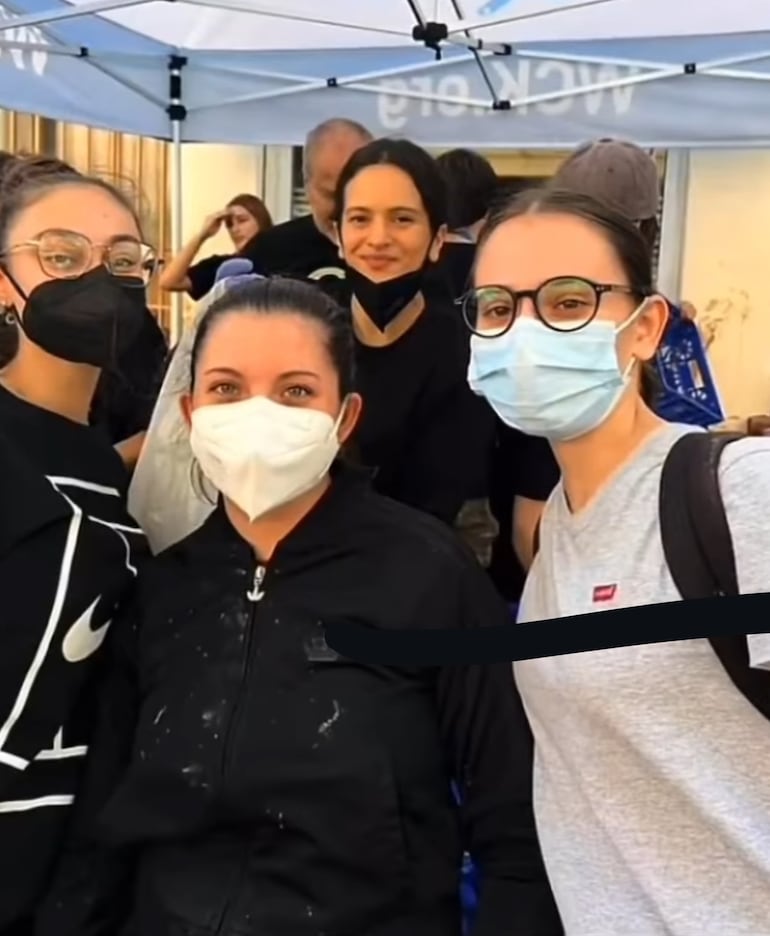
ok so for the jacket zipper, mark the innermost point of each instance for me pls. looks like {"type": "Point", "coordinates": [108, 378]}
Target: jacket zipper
{"type": "Point", "coordinates": [255, 594]}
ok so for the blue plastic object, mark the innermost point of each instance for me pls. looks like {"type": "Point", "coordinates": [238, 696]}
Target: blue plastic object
{"type": "Point", "coordinates": [234, 267]}
{"type": "Point", "coordinates": [469, 894]}
{"type": "Point", "coordinates": [469, 882]}
{"type": "Point", "coordinates": [470, 878]}
{"type": "Point", "coordinates": [690, 394]}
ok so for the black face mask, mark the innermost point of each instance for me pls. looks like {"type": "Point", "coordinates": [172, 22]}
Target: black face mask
{"type": "Point", "coordinates": [92, 320]}
{"type": "Point", "coordinates": [382, 302]}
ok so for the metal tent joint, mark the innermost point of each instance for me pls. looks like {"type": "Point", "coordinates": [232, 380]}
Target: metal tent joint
{"type": "Point", "coordinates": [332, 83]}
{"type": "Point", "coordinates": [431, 35]}
{"type": "Point", "coordinates": [176, 110]}
{"type": "Point", "coordinates": [501, 105]}
{"type": "Point", "coordinates": [690, 68]}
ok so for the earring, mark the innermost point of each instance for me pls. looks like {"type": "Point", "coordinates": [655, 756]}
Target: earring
{"type": "Point", "coordinates": [10, 315]}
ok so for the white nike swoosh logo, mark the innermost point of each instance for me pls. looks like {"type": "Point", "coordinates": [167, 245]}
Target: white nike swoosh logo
{"type": "Point", "coordinates": [81, 641]}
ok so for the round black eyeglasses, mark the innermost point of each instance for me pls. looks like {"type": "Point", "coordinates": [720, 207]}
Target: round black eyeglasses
{"type": "Point", "coordinates": [563, 303]}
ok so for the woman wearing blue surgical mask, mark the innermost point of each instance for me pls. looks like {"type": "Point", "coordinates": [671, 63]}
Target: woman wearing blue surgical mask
{"type": "Point", "coordinates": [245, 778]}
{"type": "Point", "coordinates": [652, 785]}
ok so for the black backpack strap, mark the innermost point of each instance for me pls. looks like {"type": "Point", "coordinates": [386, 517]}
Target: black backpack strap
{"type": "Point", "coordinates": [698, 546]}
{"type": "Point", "coordinates": [696, 538]}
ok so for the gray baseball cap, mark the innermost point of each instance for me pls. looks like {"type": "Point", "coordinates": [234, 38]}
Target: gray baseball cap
{"type": "Point", "coordinates": [620, 174]}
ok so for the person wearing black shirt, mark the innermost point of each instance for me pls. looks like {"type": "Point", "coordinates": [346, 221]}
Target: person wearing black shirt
{"type": "Point", "coordinates": [423, 431]}
{"type": "Point", "coordinates": [245, 217]}
{"type": "Point", "coordinates": [522, 468]}
{"type": "Point", "coordinates": [302, 248]}
{"type": "Point", "coordinates": [127, 388]}
{"type": "Point", "coordinates": [472, 185]}
{"type": "Point", "coordinates": [266, 785]}
{"type": "Point", "coordinates": [71, 262]}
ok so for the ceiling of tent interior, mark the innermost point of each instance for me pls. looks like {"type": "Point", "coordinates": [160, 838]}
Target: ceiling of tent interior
{"type": "Point", "coordinates": [499, 73]}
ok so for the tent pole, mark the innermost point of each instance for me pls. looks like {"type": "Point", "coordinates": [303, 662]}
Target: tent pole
{"type": "Point", "coordinates": [177, 298]}
{"type": "Point", "coordinates": [674, 223]}
{"type": "Point", "coordinates": [177, 113]}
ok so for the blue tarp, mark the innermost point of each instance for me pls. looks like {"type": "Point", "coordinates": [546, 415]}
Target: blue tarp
{"type": "Point", "coordinates": [89, 69]}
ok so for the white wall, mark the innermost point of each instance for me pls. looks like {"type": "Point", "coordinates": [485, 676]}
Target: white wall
{"type": "Point", "coordinates": [211, 176]}
{"type": "Point", "coordinates": [726, 271]}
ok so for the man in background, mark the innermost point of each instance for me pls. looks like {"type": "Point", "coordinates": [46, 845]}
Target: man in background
{"type": "Point", "coordinates": [305, 247]}
{"type": "Point", "coordinates": [621, 175]}
{"type": "Point", "coordinates": [523, 471]}
{"type": "Point", "coordinates": [473, 186]}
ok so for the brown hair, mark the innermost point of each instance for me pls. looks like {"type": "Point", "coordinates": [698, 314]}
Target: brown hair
{"type": "Point", "coordinates": [17, 172]}
{"type": "Point", "coordinates": [6, 161]}
{"type": "Point", "coordinates": [23, 180]}
{"type": "Point", "coordinates": [31, 177]}
{"type": "Point", "coordinates": [256, 208]}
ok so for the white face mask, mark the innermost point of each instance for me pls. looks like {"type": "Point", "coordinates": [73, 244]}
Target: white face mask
{"type": "Point", "coordinates": [260, 454]}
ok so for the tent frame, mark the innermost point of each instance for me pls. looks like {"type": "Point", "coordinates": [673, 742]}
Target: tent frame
{"type": "Point", "coordinates": [435, 36]}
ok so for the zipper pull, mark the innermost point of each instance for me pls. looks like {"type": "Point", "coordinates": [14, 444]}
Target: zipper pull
{"type": "Point", "coordinates": [256, 593]}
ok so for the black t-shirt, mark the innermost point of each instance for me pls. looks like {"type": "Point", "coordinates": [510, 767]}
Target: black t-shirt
{"type": "Point", "coordinates": [68, 556]}
{"type": "Point", "coordinates": [423, 430]}
{"type": "Point", "coordinates": [60, 447]}
{"type": "Point", "coordinates": [375, 775]}
{"type": "Point", "coordinates": [520, 465]}
{"type": "Point", "coordinates": [295, 248]}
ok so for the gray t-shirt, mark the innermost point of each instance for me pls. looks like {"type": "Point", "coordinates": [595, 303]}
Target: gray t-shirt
{"type": "Point", "coordinates": [652, 772]}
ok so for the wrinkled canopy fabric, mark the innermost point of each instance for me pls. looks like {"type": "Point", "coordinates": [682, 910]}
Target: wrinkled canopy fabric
{"type": "Point", "coordinates": [512, 73]}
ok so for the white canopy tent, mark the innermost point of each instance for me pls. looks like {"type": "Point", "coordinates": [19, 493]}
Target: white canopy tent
{"type": "Point", "coordinates": [508, 73]}
{"type": "Point", "coordinates": [491, 73]}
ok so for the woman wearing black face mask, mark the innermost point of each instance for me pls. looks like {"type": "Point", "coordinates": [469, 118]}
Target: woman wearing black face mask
{"type": "Point", "coordinates": [423, 431]}
{"type": "Point", "coordinates": [127, 390]}
{"type": "Point", "coordinates": [72, 272]}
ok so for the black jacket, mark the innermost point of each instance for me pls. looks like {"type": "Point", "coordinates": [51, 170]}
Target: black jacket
{"type": "Point", "coordinates": [68, 553]}
{"type": "Point", "coordinates": [275, 789]}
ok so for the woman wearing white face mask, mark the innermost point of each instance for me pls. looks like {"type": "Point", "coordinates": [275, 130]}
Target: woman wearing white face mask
{"type": "Point", "coordinates": [268, 785]}
{"type": "Point", "coordinates": [652, 784]}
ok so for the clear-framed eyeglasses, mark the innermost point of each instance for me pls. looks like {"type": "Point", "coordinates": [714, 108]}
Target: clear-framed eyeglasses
{"type": "Point", "coordinates": [564, 303]}
{"type": "Point", "coordinates": [67, 255]}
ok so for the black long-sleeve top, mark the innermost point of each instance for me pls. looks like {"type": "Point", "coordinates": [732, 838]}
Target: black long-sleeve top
{"type": "Point", "coordinates": [294, 248]}
{"type": "Point", "coordinates": [270, 786]}
{"type": "Point", "coordinates": [68, 554]}
{"type": "Point", "coordinates": [426, 434]}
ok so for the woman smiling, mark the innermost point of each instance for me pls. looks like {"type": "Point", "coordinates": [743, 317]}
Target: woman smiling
{"type": "Point", "coordinates": [422, 429]}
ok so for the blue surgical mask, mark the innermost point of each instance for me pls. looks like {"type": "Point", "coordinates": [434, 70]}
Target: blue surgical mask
{"type": "Point", "coordinates": [557, 385]}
